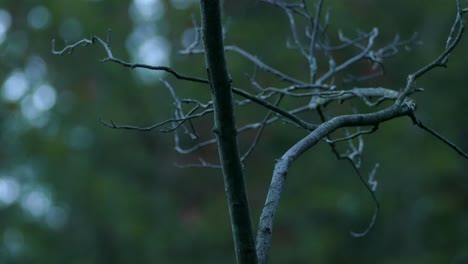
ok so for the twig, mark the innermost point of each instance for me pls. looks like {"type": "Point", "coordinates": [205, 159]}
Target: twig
{"type": "Point", "coordinates": [311, 57]}
{"type": "Point", "coordinates": [418, 122]}
{"type": "Point", "coordinates": [202, 164]}
{"type": "Point", "coordinates": [259, 63]}
{"type": "Point", "coordinates": [374, 33]}
{"type": "Point", "coordinates": [280, 111]}
{"type": "Point", "coordinates": [369, 226]}
{"type": "Point", "coordinates": [260, 131]}
{"type": "Point", "coordinates": [355, 135]}
{"type": "Point", "coordinates": [196, 41]}
{"type": "Point", "coordinates": [356, 166]}
{"type": "Point", "coordinates": [179, 122]}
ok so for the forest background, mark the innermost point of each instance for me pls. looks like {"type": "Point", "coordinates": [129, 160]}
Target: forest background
{"type": "Point", "coordinates": [75, 191]}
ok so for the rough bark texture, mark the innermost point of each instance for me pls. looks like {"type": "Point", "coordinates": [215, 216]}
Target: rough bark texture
{"type": "Point", "coordinates": [226, 133]}
{"type": "Point", "coordinates": [283, 164]}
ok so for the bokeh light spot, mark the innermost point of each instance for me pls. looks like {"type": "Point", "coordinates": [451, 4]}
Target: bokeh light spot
{"type": "Point", "coordinates": [36, 68]}
{"type": "Point", "coordinates": [28, 109]}
{"type": "Point", "coordinates": [146, 10]}
{"type": "Point", "coordinates": [15, 86]}
{"type": "Point", "coordinates": [44, 97]}
{"type": "Point", "coordinates": [70, 29]}
{"type": "Point", "coordinates": [154, 51]}
{"type": "Point", "coordinates": [5, 23]}
{"type": "Point", "coordinates": [37, 203]}
{"type": "Point", "coordinates": [39, 17]}
{"type": "Point", "coordinates": [9, 190]}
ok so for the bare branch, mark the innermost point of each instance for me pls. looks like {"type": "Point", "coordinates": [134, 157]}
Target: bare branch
{"type": "Point", "coordinates": [178, 121]}
{"type": "Point", "coordinates": [371, 186]}
{"type": "Point", "coordinates": [311, 57]}
{"type": "Point", "coordinates": [452, 145]}
{"type": "Point", "coordinates": [369, 227]}
{"type": "Point", "coordinates": [346, 43]}
{"type": "Point", "coordinates": [240, 130]}
{"type": "Point", "coordinates": [179, 116]}
{"type": "Point", "coordinates": [373, 34]}
{"type": "Point", "coordinates": [260, 131]}
{"type": "Point", "coordinates": [110, 57]}
{"type": "Point", "coordinates": [202, 164]}
{"type": "Point", "coordinates": [440, 61]}
{"type": "Point", "coordinates": [86, 42]}
{"type": "Point", "coordinates": [296, 8]}
{"type": "Point", "coordinates": [280, 111]}
{"type": "Point", "coordinates": [196, 41]}
{"type": "Point", "coordinates": [70, 48]}
{"type": "Point", "coordinates": [259, 63]}
{"type": "Point", "coordinates": [355, 135]}
{"type": "Point", "coordinates": [283, 164]}
{"type": "Point", "coordinates": [351, 157]}
{"type": "Point", "coordinates": [373, 183]}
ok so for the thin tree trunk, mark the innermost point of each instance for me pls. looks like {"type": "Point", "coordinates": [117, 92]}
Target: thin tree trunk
{"type": "Point", "coordinates": [226, 133]}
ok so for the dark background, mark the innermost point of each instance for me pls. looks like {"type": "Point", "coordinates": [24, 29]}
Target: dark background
{"type": "Point", "coordinates": [74, 191]}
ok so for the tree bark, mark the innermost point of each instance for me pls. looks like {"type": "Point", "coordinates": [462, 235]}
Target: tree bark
{"type": "Point", "coordinates": [226, 133]}
{"type": "Point", "coordinates": [265, 227]}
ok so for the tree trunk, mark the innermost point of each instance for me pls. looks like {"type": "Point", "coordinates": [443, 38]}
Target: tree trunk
{"type": "Point", "coordinates": [226, 132]}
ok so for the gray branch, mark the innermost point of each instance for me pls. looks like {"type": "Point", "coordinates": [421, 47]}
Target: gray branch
{"type": "Point", "coordinates": [283, 164]}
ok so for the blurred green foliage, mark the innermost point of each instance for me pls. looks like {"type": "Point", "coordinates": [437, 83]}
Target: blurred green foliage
{"type": "Point", "coordinates": [74, 191]}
